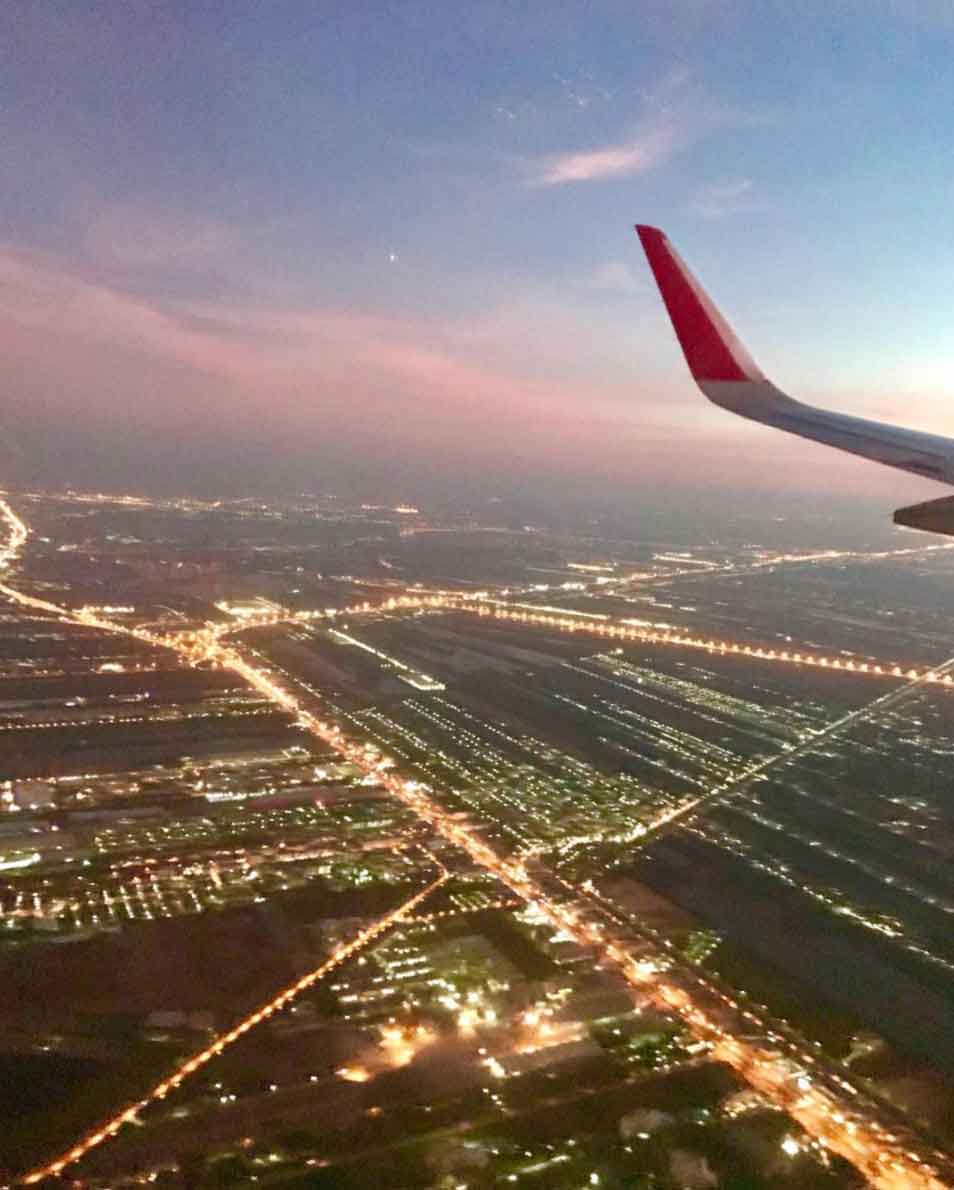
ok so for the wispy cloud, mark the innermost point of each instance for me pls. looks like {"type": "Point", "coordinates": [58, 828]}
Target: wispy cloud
{"type": "Point", "coordinates": [191, 392]}
{"type": "Point", "coordinates": [615, 276]}
{"type": "Point", "coordinates": [127, 239]}
{"type": "Point", "coordinates": [716, 200]}
{"type": "Point", "coordinates": [402, 384]}
{"type": "Point", "coordinates": [677, 113]}
{"type": "Point", "coordinates": [654, 145]}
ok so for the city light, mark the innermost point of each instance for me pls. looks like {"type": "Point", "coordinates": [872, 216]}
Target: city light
{"type": "Point", "coordinates": [846, 1126]}
{"type": "Point", "coordinates": [198, 1060]}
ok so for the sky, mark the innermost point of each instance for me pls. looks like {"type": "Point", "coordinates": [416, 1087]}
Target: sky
{"type": "Point", "coordinates": [292, 246]}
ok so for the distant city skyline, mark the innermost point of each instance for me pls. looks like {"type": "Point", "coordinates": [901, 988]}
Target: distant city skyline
{"type": "Point", "coordinates": [250, 249]}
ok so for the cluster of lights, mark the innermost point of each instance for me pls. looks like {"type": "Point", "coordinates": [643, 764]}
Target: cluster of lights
{"type": "Point", "coordinates": [863, 1142]}
{"type": "Point", "coordinates": [588, 623]}
{"type": "Point", "coordinates": [130, 1114]}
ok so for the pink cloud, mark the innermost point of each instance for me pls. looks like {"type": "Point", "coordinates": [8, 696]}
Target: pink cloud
{"type": "Point", "coordinates": [654, 145]}
{"type": "Point", "coordinates": [127, 239]}
{"type": "Point", "coordinates": [92, 348]}
{"type": "Point", "coordinates": [676, 113]}
{"type": "Point", "coordinates": [278, 382]}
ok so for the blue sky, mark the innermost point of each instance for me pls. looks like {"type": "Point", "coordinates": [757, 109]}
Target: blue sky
{"type": "Point", "coordinates": [395, 239]}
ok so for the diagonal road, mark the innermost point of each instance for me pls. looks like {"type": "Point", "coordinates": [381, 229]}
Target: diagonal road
{"type": "Point", "coordinates": [737, 785]}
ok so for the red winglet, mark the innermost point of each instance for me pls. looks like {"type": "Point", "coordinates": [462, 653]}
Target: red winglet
{"type": "Point", "coordinates": [711, 349]}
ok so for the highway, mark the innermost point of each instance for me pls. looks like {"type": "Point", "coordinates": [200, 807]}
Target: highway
{"type": "Point", "coordinates": [622, 630]}
{"type": "Point", "coordinates": [860, 1129]}
{"type": "Point", "coordinates": [609, 628]}
{"type": "Point", "coordinates": [738, 785]}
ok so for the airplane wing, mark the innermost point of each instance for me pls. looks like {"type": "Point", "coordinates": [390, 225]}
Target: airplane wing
{"type": "Point", "coordinates": [729, 377]}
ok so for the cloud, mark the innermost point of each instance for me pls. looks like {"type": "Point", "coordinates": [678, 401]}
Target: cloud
{"type": "Point", "coordinates": [676, 113]}
{"type": "Point", "coordinates": [284, 379]}
{"type": "Point", "coordinates": [719, 199]}
{"type": "Point", "coordinates": [615, 276]}
{"type": "Point", "coordinates": [107, 387]}
{"type": "Point", "coordinates": [654, 144]}
{"type": "Point", "coordinates": [127, 239]}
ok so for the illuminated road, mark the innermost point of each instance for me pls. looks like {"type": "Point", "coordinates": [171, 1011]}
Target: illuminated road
{"type": "Point", "coordinates": [826, 1106]}
{"type": "Point", "coordinates": [609, 628]}
{"type": "Point", "coordinates": [622, 630]}
{"type": "Point", "coordinates": [130, 1112]}
{"type": "Point", "coordinates": [17, 538]}
{"type": "Point", "coordinates": [732, 570]}
{"type": "Point", "coordinates": [844, 1120]}
{"type": "Point", "coordinates": [738, 785]}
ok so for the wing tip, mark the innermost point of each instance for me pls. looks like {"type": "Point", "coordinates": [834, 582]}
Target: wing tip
{"type": "Point", "coordinates": [712, 350]}
{"type": "Point", "coordinates": [646, 231]}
